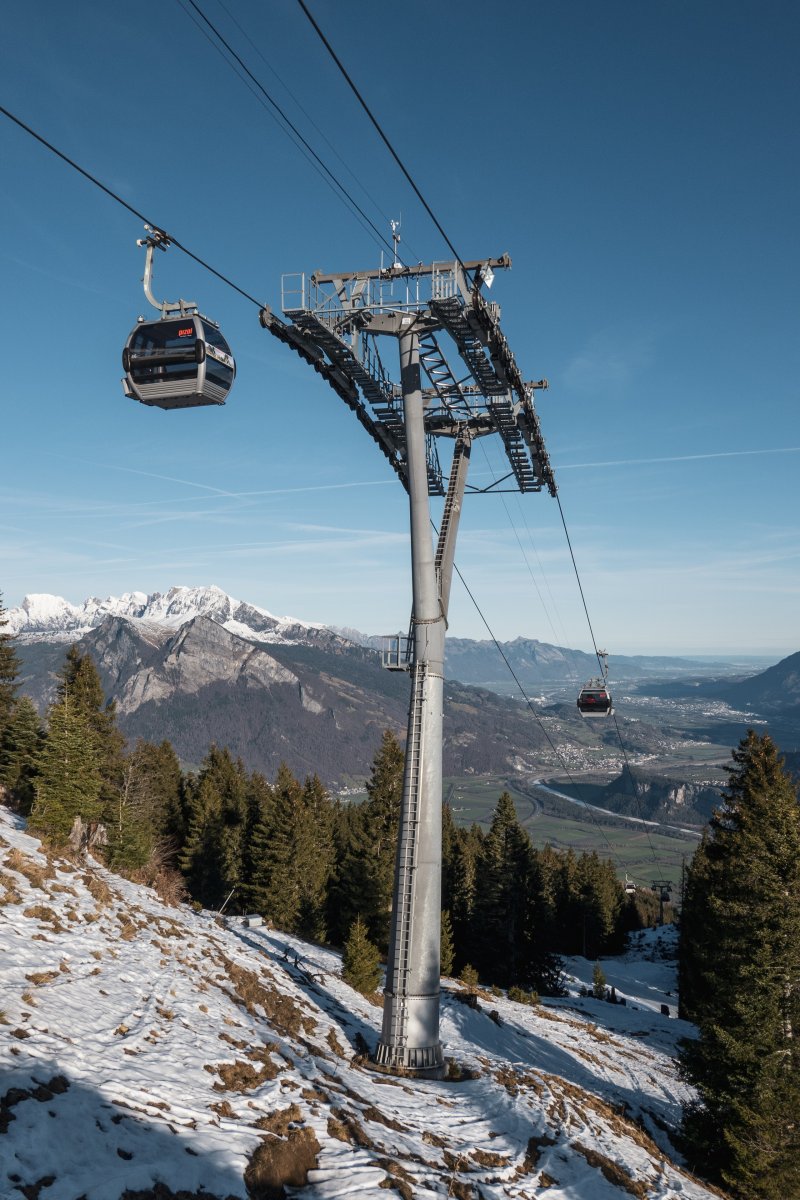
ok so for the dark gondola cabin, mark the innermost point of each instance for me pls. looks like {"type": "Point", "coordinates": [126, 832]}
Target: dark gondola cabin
{"type": "Point", "coordinates": [177, 362]}
{"type": "Point", "coordinates": [594, 700]}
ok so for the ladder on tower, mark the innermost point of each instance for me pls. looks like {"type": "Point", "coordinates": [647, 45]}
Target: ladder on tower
{"type": "Point", "coordinates": [461, 447]}
{"type": "Point", "coordinates": [407, 857]}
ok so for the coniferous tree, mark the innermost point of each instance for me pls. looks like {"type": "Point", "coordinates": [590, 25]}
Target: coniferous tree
{"type": "Point", "coordinates": [141, 818]}
{"type": "Point", "coordinates": [740, 975]}
{"type": "Point", "coordinates": [259, 830]}
{"type": "Point", "coordinates": [19, 752]}
{"type": "Point", "coordinates": [283, 893]}
{"type": "Point", "coordinates": [361, 964]}
{"type": "Point", "coordinates": [447, 954]}
{"type": "Point", "coordinates": [498, 916]}
{"type": "Point", "coordinates": [9, 672]}
{"type": "Point", "coordinates": [69, 782]}
{"type": "Point", "coordinates": [466, 851]}
{"type": "Point", "coordinates": [314, 857]}
{"type": "Point", "coordinates": [79, 683]}
{"type": "Point", "coordinates": [366, 841]}
{"type": "Point", "coordinates": [382, 812]}
{"type": "Point", "coordinates": [601, 902]}
{"type": "Point", "coordinates": [212, 854]}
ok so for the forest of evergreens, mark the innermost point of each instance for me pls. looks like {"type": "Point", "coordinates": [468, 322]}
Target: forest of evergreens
{"type": "Point", "coordinates": [323, 869]}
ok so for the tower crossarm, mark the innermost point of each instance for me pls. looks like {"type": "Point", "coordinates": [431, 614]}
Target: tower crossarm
{"type": "Point", "coordinates": [451, 312]}
{"type": "Point", "coordinates": [343, 384]}
{"type": "Point", "coordinates": [446, 388]}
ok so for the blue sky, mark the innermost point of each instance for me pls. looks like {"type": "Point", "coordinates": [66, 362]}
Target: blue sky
{"type": "Point", "coordinates": [637, 160]}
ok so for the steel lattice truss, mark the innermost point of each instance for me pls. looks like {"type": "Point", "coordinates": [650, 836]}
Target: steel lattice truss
{"type": "Point", "coordinates": [336, 322]}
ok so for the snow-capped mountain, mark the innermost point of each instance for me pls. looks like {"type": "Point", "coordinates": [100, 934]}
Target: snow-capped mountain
{"type": "Point", "coordinates": [42, 617]}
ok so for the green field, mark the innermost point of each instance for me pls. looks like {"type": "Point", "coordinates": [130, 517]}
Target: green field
{"type": "Point", "coordinates": [612, 837]}
{"type": "Point", "coordinates": [642, 852]}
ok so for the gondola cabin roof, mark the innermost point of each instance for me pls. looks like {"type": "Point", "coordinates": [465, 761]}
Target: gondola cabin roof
{"type": "Point", "coordinates": [178, 361]}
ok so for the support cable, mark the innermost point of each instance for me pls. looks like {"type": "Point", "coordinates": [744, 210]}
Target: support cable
{"type": "Point", "coordinates": [375, 203]}
{"type": "Point", "coordinates": [382, 135]}
{"type": "Point", "coordinates": [145, 220]}
{"type": "Point", "coordinates": [600, 663]}
{"type": "Point", "coordinates": [331, 178]}
{"type": "Point", "coordinates": [538, 719]}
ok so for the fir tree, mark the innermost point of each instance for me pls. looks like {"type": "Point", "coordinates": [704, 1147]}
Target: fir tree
{"type": "Point", "coordinates": [255, 873]}
{"type": "Point", "coordinates": [79, 683]}
{"type": "Point", "coordinates": [212, 854]}
{"type": "Point", "coordinates": [361, 964]}
{"type": "Point", "coordinates": [447, 953]}
{"type": "Point", "coordinates": [382, 813]}
{"type": "Point", "coordinates": [9, 672]}
{"type": "Point", "coordinates": [69, 782]}
{"type": "Point", "coordinates": [462, 870]}
{"type": "Point", "coordinates": [740, 974]}
{"type": "Point", "coordinates": [283, 892]}
{"type": "Point", "coordinates": [19, 752]}
{"type": "Point", "coordinates": [498, 921]}
{"type": "Point", "coordinates": [365, 840]}
{"type": "Point", "coordinates": [314, 858]}
{"type": "Point", "coordinates": [141, 818]}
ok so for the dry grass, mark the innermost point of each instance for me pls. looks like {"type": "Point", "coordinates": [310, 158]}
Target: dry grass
{"type": "Point", "coordinates": [243, 1076]}
{"type": "Point", "coordinates": [47, 916]}
{"type": "Point", "coordinates": [253, 993]}
{"type": "Point", "coordinates": [62, 889]}
{"type": "Point", "coordinates": [613, 1172]}
{"type": "Point", "coordinates": [127, 928]}
{"type": "Point", "coordinates": [371, 1113]}
{"type": "Point", "coordinates": [485, 1158]}
{"type": "Point", "coordinates": [397, 1177]}
{"type": "Point", "coordinates": [35, 873]}
{"type": "Point", "coordinates": [348, 1129]}
{"type": "Point", "coordinates": [223, 1109]}
{"type": "Point", "coordinates": [97, 888]}
{"type": "Point", "coordinates": [335, 1044]}
{"type": "Point", "coordinates": [279, 1122]}
{"type": "Point", "coordinates": [39, 977]}
{"type": "Point", "coordinates": [8, 889]}
{"type": "Point", "coordinates": [27, 998]}
{"type": "Point", "coordinates": [278, 1163]}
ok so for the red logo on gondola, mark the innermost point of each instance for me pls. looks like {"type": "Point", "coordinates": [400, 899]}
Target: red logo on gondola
{"type": "Point", "coordinates": [186, 332]}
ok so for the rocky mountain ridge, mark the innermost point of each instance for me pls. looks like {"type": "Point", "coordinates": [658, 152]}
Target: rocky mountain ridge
{"type": "Point", "coordinates": [43, 617]}
{"type": "Point", "coordinates": [321, 708]}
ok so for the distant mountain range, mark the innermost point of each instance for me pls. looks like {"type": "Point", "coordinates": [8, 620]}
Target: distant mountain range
{"type": "Point", "coordinates": [196, 666]}
{"type": "Point", "coordinates": [51, 618]}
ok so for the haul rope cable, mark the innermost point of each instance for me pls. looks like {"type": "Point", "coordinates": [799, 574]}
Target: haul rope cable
{"type": "Point", "coordinates": [331, 178]}
{"type": "Point", "coordinates": [232, 16]}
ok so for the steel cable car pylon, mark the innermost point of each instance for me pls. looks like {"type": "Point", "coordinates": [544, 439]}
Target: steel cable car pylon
{"type": "Point", "coordinates": [336, 322]}
{"type": "Point", "coordinates": [180, 360]}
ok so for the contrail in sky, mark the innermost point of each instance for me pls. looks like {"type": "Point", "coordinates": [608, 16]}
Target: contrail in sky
{"type": "Point", "coordinates": [631, 462]}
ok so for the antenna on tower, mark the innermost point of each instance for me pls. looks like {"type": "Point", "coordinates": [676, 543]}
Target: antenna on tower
{"type": "Point", "coordinates": [396, 240]}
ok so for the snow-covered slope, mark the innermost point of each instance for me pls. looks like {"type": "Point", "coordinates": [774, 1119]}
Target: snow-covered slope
{"type": "Point", "coordinates": [51, 618]}
{"type": "Point", "coordinates": [146, 1045]}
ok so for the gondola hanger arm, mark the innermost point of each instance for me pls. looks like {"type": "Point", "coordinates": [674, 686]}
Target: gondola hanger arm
{"type": "Point", "coordinates": [157, 239]}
